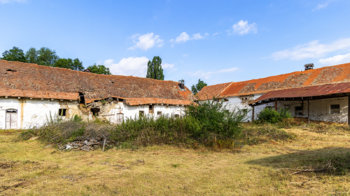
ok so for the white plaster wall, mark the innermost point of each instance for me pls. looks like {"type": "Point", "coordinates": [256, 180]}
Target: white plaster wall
{"type": "Point", "coordinates": [320, 109]}
{"type": "Point", "coordinates": [236, 102]}
{"type": "Point", "coordinates": [131, 112]}
{"type": "Point", "coordinates": [35, 112]}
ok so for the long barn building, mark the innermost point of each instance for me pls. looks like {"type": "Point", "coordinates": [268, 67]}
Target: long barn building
{"type": "Point", "coordinates": [31, 94]}
{"type": "Point", "coordinates": [317, 94]}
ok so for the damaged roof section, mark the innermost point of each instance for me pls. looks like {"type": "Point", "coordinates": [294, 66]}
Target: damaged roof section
{"type": "Point", "coordinates": [33, 80]}
{"type": "Point", "coordinates": [324, 75]}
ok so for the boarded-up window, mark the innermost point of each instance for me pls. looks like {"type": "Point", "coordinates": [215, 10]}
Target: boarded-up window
{"type": "Point", "coordinates": [11, 119]}
{"type": "Point", "coordinates": [141, 113]}
{"type": "Point", "coordinates": [298, 110]}
{"type": "Point", "coordinates": [62, 112]}
{"type": "Point", "coordinates": [151, 108]}
{"type": "Point", "coordinates": [335, 109]}
{"type": "Point", "coordinates": [120, 117]}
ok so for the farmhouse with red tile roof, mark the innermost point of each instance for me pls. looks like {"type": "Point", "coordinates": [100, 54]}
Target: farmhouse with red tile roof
{"type": "Point", "coordinates": [30, 93]}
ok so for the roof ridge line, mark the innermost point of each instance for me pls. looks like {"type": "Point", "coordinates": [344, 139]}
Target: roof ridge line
{"type": "Point", "coordinates": [225, 88]}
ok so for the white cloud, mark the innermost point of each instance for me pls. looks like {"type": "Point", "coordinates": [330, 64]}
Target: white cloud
{"type": "Point", "coordinates": [215, 34]}
{"type": "Point", "coordinates": [13, 1]}
{"type": "Point", "coordinates": [321, 6]}
{"type": "Point", "coordinates": [339, 59]}
{"type": "Point", "coordinates": [197, 36]}
{"type": "Point", "coordinates": [146, 41]}
{"type": "Point", "coordinates": [207, 75]}
{"type": "Point", "coordinates": [185, 55]}
{"type": "Point", "coordinates": [243, 27]}
{"type": "Point", "coordinates": [311, 50]}
{"type": "Point", "coordinates": [167, 66]}
{"type": "Point", "coordinates": [135, 66]}
{"type": "Point", "coordinates": [184, 37]}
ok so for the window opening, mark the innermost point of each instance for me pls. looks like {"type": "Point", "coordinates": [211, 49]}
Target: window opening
{"type": "Point", "coordinates": [120, 117]}
{"type": "Point", "coordinates": [298, 110]}
{"type": "Point", "coordinates": [11, 119]}
{"type": "Point", "coordinates": [159, 113]}
{"type": "Point", "coordinates": [151, 108]}
{"type": "Point", "coordinates": [62, 112]}
{"type": "Point", "coordinates": [177, 116]}
{"type": "Point", "coordinates": [95, 111]}
{"type": "Point", "coordinates": [82, 98]}
{"type": "Point", "coordinates": [335, 109]}
{"type": "Point", "coordinates": [141, 113]}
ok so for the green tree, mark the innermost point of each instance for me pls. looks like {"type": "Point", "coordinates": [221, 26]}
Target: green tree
{"type": "Point", "coordinates": [46, 56]}
{"type": "Point", "coordinates": [14, 54]}
{"type": "Point", "coordinates": [69, 64]}
{"type": "Point", "coordinates": [32, 55]}
{"type": "Point", "coordinates": [155, 69]}
{"type": "Point", "coordinates": [198, 87]}
{"type": "Point", "coordinates": [99, 69]}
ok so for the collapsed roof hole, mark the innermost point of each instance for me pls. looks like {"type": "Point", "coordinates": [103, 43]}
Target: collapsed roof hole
{"type": "Point", "coordinates": [82, 98]}
{"type": "Point", "coordinates": [95, 111]}
{"type": "Point", "coordinates": [12, 70]}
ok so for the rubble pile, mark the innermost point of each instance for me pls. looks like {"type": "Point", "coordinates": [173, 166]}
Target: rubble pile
{"type": "Point", "coordinates": [84, 143]}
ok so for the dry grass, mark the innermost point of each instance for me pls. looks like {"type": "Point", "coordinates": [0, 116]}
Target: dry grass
{"type": "Point", "coordinates": [31, 168]}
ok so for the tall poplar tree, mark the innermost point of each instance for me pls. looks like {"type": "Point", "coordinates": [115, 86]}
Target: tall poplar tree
{"type": "Point", "coordinates": [155, 69]}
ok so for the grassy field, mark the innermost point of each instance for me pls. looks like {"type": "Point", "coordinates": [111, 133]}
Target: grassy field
{"type": "Point", "coordinates": [33, 168]}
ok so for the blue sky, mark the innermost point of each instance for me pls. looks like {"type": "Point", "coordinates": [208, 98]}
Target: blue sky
{"type": "Point", "coordinates": [216, 41]}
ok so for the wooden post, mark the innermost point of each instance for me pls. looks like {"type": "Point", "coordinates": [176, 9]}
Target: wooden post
{"type": "Point", "coordinates": [308, 112]}
{"type": "Point", "coordinates": [349, 111]}
{"type": "Point", "coordinates": [276, 105]}
{"type": "Point", "coordinates": [253, 115]}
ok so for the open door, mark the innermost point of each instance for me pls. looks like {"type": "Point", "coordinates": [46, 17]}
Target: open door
{"type": "Point", "coordinates": [11, 119]}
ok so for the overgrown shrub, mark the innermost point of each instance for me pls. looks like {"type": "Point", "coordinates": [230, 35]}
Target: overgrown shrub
{"type": "Point", "coordinates": [269, 115]}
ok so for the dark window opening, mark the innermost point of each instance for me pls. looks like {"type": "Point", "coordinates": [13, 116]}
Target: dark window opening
{"type": "Point", "coordinates": [82, 98]}
{"type": "Point", "coordinates": [151, 108]}
{"type": "Point", "coordinates": [335, 109]}
{"type": "Point", "coordinates": [95, 111]}
{"type": "Point", "coordinates": [141, 113]}
{"type": "Point", "coordinates": [177, 116]}
{"type": "Point", "coordinates": [62, 112]}
{"type": "Point", "coordinates": [159, 113]}
{"type": "Point", "coordinates": [298, 110]}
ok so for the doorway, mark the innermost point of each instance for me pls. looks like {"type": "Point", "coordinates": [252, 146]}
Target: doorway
{"type": "Point", "coordinates": [11, 119]}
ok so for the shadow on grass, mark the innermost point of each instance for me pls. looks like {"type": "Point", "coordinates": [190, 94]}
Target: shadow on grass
{"type": "Point", "coordinates": [334, 161]}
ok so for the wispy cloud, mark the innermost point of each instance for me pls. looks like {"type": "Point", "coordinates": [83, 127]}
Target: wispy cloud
{"type": "Point", "coordinates": [146, 41]}
{"type": "Point", "coordinates": [185, 55]}
{"type": "Point", "coordinates": [135, 66]}
{"type": "Point", "coordinates": [338, 59]}
{"type": "Point", "coordinates": [169, 67]}
{"type": "Point", "coordinates": [207, 75]}
{"type": "Point", "coordinates": [242, 28]}
{"type": "Point", "coordinates": [312, 49]}
{"type": "Point", "coordinates": [321, 6]}
{"type": "Point", "coordinates": [184, 37]}
{"type": "Point", "coordinates": [13, 1]}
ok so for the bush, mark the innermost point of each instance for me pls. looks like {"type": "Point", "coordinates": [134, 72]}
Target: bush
{"type": "Point", "coordinates": [269, 115]}
{"type": "Point", "coordinates": [214, 118]}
